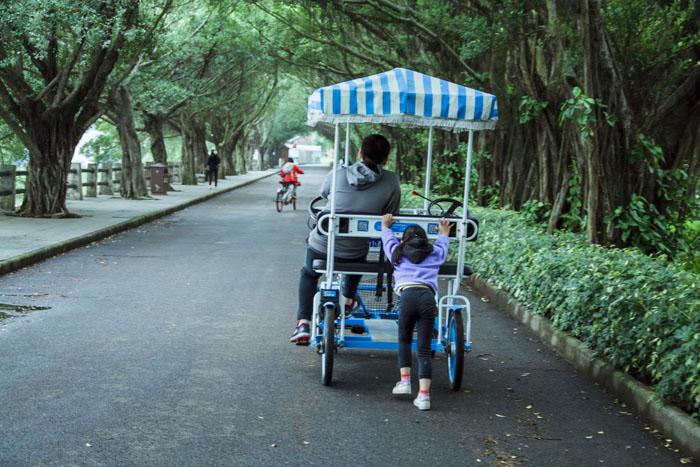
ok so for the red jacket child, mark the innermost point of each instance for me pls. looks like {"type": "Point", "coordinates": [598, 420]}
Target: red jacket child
{"type": "Point", "coordinates": [290, 170]}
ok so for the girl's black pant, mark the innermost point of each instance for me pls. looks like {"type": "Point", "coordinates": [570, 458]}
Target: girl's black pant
{"type": "Point", "coordinates": [417, 305]}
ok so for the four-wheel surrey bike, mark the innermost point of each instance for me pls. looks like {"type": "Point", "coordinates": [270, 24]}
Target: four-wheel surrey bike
{"type": "Point", "coordinates": [403, 98]}
{"type": "Point", "coordinates": [285, 196]}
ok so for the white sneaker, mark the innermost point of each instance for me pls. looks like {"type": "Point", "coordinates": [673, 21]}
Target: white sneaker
{"type": "Point", "coordinates": [422, 404]}
{"type": "Point", "coordinates": [402, 388]}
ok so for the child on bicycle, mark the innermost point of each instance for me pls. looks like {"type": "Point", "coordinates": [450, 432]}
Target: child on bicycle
{"type": "Point", "coordinates": [289, 172]}
{"type": "Point", "coordinates": [416, 264]}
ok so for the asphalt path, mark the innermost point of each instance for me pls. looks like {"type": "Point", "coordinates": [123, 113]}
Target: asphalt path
{"type": "Point", "coordinates": [168, 345]}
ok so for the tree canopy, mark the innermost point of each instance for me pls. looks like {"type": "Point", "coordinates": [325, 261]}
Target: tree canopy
{"type": "Point", "coordinates": [599, 123]}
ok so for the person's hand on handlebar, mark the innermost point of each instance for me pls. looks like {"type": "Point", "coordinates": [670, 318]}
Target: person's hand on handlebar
{"type": "Point", "coordinates": [445, 226]}
{"type": "Point", "coordinates": [387, 220]}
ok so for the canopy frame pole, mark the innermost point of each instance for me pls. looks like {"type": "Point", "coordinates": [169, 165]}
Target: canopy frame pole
{"type": "Point", "coordinates": [427, 173]}
{"type": "Point", "coordinates": [465, 212]}
{"type": "Point", "coordinates": [330, 249]}
{"type": "Point", "coordinates": [347, 144]}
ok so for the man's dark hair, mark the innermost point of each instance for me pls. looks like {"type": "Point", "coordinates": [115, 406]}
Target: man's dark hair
{"type": "Point", "coordinates": [375, 149]}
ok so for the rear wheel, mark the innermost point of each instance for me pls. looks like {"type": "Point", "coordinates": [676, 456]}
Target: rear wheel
{"type": "Point", "coordinates": [328, 345]}
{"type": "Point", "coordinates": [294, 202]}
{"type": "Point", "coordinates": [280, 201]}
{"type": "Point", "coordinates": [455, 349]}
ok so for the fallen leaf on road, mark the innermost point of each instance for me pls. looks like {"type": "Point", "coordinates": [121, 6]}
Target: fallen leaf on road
{"type": "Point", "coordinates": [500, 416]}
{"type": "Point", "coordinates": [273, 445]}
{"type": "Point", "coordinates": [307, 442]}
{"type": "Point", "coordinates": [529, 407]}
{"type": "Point", "coordinates": [588, 437]}
{"type": "Point", "coordinates": [525, 374]}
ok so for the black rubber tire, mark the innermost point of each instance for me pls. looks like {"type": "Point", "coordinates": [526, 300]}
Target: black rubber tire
{"type": "Point", "coordinates": [328, 345]}
{"type": "Point", "coordinates": [279, 201]}
{"type": "Point", "coordinates": [294, 203]}
{"type": "Point", "coordinates": [455, 350]}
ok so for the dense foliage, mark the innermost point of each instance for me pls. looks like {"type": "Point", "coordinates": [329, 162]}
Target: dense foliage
{"type": "Point", "coordinates": [637, 312]}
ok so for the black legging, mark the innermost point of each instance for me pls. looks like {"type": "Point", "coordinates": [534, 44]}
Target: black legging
{"type": "Point", "coordinates": [417, 305]}
{"type": "Point", "coordinates": [212, 175]}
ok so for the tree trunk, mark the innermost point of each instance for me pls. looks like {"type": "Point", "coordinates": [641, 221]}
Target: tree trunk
{"type": "Point", "coordinates": [133, 184]}
{"type": "Point", "coordinates": [45, 186]}
{"type": "Point", "coordinates": [189, 166]}
{"type": "Point", "coordinates": [239, 159]}
{"type": "Point", "coordinates": [200, 146]}
{"type": "Point", "coordinates": [50, 156]}
{"type": "Point", "coordinates": [189, 154]}
{"type": "Point", "coordinates": [154, 127]}
{"type": "Point", "coordinates": [590, 147]}
{"type": "Point", "coordinates": [227, 152]}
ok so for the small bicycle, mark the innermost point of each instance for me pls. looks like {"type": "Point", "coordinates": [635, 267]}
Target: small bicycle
{"type": "Point", "coordinates": [285, 196]}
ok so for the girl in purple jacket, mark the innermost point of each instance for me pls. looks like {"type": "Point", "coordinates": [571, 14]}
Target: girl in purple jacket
{"type": "Point", "coordinates": [416, 264]}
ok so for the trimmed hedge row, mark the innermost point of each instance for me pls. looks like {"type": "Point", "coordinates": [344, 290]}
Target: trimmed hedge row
{"type": "Point", "coordinates": [637, 312]}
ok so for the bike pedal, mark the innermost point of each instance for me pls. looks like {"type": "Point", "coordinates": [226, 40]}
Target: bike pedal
{"type": "Point", "coordinates": [303, 342]}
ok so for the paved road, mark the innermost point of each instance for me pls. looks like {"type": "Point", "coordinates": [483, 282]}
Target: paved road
{"type": "Point", "coordinates": [167, 345]}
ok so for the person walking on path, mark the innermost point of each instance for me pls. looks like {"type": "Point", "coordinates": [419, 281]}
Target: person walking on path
{"type": "Point", "coordinates": [213, 168]}
{"type": "Point", "coordinates": [362, 187]}
{"type": "Point", "coordinates": [416, 264]}
{"type": "Point", "coordinates": [289, 173]}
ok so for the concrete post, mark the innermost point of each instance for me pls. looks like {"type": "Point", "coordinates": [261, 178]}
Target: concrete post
{"type": "Point", "coordinates": [174, 173]}
{"type": "Point", "coordinates": [91, 181]}
{"type": "Point", "coordinates": [7, 187]}
{"type": "Point", "coordinates": [117, 177]}
{"type": "Point", "coordinates": [106, 185]}
{"type": "Point", "coordinates": [75, 182]}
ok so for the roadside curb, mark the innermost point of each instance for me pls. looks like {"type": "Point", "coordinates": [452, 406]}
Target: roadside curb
{"type": "Point", "coordinates": [17, 262]}
{"type": "Point", "coordinates": [668, 419]}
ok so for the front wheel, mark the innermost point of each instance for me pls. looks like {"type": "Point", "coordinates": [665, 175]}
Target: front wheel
{"type": "Point", "coordinates": [280, 201]}
{"type": "Point", "coordinates": [328, 345]}
{"type": "Point", "coordinates": [455, 349]}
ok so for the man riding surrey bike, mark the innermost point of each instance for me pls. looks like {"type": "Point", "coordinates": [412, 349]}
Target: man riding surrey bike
{"type": "Point", "coordinates": [290, 182]}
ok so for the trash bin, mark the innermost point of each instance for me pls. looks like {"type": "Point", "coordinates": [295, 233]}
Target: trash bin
{"type": "Point", "coordinates": [159, 179]}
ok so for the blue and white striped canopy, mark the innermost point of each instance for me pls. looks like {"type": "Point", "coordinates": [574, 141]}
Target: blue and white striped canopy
{"type": "Point", "coordinates": [405, 98]}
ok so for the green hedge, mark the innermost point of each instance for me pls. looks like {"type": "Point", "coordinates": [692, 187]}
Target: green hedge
{"type": "Point", "coordinates": [637, 312]}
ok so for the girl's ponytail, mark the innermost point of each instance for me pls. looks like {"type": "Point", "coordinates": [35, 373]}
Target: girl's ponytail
{"type": "Point", "coordinates": [397, 254]}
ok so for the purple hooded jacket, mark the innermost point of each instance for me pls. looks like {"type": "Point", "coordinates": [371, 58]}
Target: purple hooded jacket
{"type": "Point", "coordinates": [423, 272]}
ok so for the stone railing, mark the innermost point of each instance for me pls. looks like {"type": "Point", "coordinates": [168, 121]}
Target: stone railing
{"type": "Point", "coordinates": [102, 179]}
